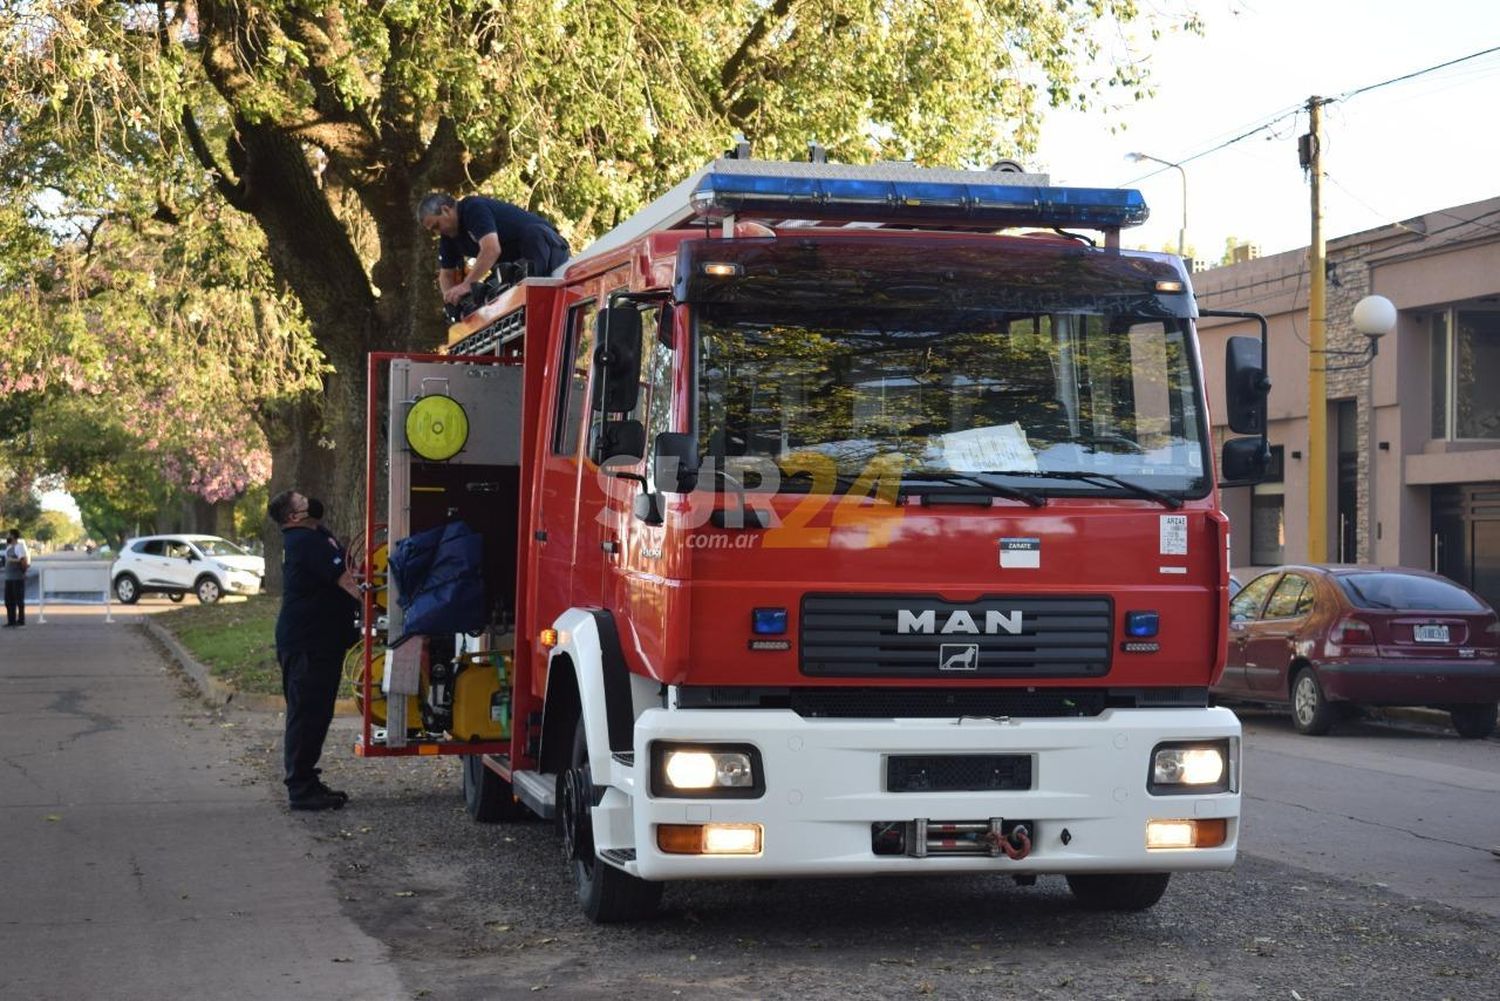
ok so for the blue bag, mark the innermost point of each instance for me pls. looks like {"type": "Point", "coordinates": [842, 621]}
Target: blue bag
{"type": "Point", "coordinates": [439, 576]}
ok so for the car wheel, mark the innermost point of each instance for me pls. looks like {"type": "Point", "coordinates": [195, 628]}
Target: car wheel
{"type": "Point", "coordinates": [606, 893]}
{"type": "Point", "coordinates": [487, 796]}
{"type": "Point", "coordinates": [127, 589]}
{"type": "Point", "coordinates": [1118, 891]}
{"type": "Point", "coordinates": [1311, 711]}
{"type": "Point", "coordinates": [1473, 722]}
{"type": "Point", "coordinates": [207, 589]}
{"type": "Point", "coordinates": [176, 597]}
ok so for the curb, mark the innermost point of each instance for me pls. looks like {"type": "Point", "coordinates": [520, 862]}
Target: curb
{"type": "Point", "coordinates": [216, 691]}
{"type": "Point", "coordinates": [1413, 714]}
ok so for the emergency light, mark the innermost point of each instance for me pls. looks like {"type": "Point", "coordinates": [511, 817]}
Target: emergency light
{"type": "Point", "coordinates": [896, 199]}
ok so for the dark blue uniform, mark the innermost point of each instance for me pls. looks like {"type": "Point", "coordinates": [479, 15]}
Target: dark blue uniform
{"type": "Point", "coordinates": [314, 629]}
{"type": "Point", "coordinates": [523, 236]}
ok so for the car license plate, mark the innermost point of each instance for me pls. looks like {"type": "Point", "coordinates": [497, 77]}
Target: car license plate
{"type": "Point", "coordinates": [1431, 634]}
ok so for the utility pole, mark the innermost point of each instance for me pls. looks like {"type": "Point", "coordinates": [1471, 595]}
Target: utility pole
{"type": "Point", "coordinates": [1311, 155]}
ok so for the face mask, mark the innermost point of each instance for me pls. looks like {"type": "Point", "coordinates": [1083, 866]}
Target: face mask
{"type": "Point", "coordinates": [315, 509]}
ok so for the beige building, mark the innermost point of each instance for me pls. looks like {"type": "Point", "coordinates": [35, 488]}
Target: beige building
{"type": "Point", "coordinates": [1419, 485]}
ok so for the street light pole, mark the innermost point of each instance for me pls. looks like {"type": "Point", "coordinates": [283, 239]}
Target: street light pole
{"type": "Point", "coordinates": [1374, 316]}
{"type": "Point", "coordinates": [1182, 232]}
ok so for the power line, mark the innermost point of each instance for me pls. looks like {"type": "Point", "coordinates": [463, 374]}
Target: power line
{"type": "Point", "coordinates": [1277, 117]}
{"type": "Point", "coordinates": [1416, 73]}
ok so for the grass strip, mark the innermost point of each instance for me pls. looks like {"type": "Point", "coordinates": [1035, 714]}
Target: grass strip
{"type": "Point", "coordinates": [236, 640]}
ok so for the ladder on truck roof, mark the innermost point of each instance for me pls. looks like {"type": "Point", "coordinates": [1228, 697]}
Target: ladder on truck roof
{"type": "Point", "coordinates": [873, 195]}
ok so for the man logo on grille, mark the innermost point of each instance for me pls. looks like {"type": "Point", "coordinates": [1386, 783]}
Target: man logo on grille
{"type": "Point", "coordinates": [958, 657]}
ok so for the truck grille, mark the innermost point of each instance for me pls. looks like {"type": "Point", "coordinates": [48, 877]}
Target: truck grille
{"type": "Point", "coordinates": [907, 636]}
{"type": "Point", "coordinates": [957, 772]}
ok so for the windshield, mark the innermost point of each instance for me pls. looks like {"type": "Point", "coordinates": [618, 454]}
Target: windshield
{"type": "Point", "coordinates": [219, 547]}
{"type": "Point", "coordinates": [1044, 398]}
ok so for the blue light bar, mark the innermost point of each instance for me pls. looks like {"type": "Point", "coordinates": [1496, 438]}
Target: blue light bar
{"type": "Point", "coordinates": [913, 202]}
{"type": "Point", "coordinates": [1142, 623]}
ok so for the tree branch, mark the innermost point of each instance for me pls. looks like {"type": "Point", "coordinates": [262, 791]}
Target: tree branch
{"type": "Point", "coordinates": [233, 190]}
{"type": "Point", "coordinates": [734, 66]}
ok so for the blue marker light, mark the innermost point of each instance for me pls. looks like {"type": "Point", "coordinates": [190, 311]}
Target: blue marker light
{"type": "Point", "coordinates": [768, 621]}
{"type": "Point", "coordinates": [1142, 623]}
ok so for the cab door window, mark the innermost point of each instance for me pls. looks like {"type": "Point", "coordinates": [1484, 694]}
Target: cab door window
{"type": "Point", "coordinates": [572, 394]}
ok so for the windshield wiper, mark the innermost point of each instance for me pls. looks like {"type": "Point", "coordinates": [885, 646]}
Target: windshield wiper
{"type": "Point", "coordinates": [990, 487]}
{"type": "Point", "coordinates": [1108, 479]}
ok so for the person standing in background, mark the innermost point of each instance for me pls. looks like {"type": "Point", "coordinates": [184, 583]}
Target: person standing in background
{"type": "Point", "coordinates": [17, 562]}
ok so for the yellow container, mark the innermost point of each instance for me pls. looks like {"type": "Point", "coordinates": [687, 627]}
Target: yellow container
{"type": "Point", "coordinates": [473, 692]}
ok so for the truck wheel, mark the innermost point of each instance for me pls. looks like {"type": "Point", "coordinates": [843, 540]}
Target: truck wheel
{"type": "Point", "coordinates": [1312, 713]}
{"type": "Point", "coordinates": [607, 894]}
{"type": "Point", "coordinates": [488, 798]}
{"type": "Point", "coordinates": [207, 589]}
{"type": "Point", "coordinates": [1118, 891]}
{"type": "Point", "coordinates": [1473, 722]}
{"type": "Point", "coordinates": [127, 589]}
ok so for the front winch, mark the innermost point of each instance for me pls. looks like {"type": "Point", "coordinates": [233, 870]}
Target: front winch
{"type": "Point", "coordinates": [923, 838]}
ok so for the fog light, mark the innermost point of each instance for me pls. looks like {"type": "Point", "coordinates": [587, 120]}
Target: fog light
{"type": "Point", "coordinates": [1187, 833]}
{"type": "Point", "coordinates": [709, 839]}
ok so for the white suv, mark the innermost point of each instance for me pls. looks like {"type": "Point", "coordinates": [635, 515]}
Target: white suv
{"type": "Point", "coordinates": [173, 565]}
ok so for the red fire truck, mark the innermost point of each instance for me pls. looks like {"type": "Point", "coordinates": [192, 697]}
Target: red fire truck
{"type": "Point", "coordinates": [835, 520]}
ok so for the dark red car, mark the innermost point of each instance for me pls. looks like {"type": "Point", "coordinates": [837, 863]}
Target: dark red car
{"type": "Point", "coordinates": [1327, 639]}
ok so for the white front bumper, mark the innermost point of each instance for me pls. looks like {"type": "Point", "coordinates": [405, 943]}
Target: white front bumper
{"type": "Point", "coordinates": [825, 787]}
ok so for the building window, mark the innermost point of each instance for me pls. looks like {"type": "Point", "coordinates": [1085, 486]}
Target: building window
{"type": "Point", "coordinates": [1465, 354]}
{"type": "Point", "coordinates": [1268, 513]}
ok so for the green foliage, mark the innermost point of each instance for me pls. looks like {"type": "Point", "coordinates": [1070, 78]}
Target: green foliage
{"type": "Point", "coordinates": [126, 128]}
{"type": "Point", "coordinates": [56, 527]}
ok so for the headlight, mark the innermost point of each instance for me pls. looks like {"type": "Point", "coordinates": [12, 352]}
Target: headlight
{"type": "Point", "coordinates": [1189, 768]}
{"type": "Point", "coordinates": [715, 770]}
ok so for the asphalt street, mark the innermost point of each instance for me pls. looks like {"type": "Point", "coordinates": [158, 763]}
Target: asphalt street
{"type": "Point", "coordinates": [147, 854]}
{"type": "Point", "coordinates": [142, 859]}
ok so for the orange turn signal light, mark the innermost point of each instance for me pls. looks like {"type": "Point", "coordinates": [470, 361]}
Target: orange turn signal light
{"type": "Point", "coordinates": [547, 638]}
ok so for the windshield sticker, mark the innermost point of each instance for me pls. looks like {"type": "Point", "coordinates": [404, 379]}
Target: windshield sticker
{"type": "Point", "coordinates": [1021, 554]}
{"type": "Point", "coordinates": [1174, 541]}
{"type": "Point", "coordinates": [999, 448]}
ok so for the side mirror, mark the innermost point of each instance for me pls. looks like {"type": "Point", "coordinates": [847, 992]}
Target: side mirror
{"type": "Point", "coordinates": [1245, 461]}
{"type": "Point", "coordinates": [664, 326]}
{"type": "Point", "coordinates": [622, 438]}
{"type": "Point", "coordinates": [617, 359]}
{"type": "Point", "coordinates": [676, 467]}
{"type": "Point", "coordinates": [1245, 385]}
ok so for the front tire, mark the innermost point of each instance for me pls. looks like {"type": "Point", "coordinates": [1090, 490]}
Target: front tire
{"type": "Point", "coordinates": [488, 797]}
{"type": "Point", "coordinates": [1473, 722]}
{"type": "Point", "coordinates": [607, 894]}
{"type": "Point", "coordinates": [1312, 713]}
{"type": "Point", "coordinates": [1118, 891]}
{"type": "Point", "coordinates": [208, 590]}
{"type": "Point", "coordinates": [127, 589]}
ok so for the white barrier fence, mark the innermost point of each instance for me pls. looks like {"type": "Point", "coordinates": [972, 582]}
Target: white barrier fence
{"type": "Point", "coordinates": [70, 584]}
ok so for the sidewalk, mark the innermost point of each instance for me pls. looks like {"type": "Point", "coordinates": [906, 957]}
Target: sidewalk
{"type": "Point", "coordinates": [142, 859]}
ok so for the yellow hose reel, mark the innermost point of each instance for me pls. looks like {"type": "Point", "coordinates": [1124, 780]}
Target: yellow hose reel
{"type": "Point", "coordinates": [437, 427]}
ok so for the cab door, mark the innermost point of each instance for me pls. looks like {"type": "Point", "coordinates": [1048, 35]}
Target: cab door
{"type": "Point", "coordinates": [555, 538]}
